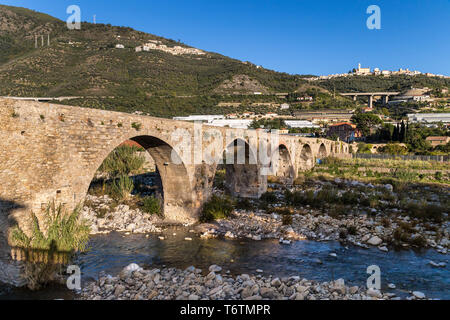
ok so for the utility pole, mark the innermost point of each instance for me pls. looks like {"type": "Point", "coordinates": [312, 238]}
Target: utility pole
{"type": "Point", "coordinates": [35, 41]}
{"type": "Point", "coordinates": [42, 40]}
{"type": "Point", "coordinates": [48, 40]}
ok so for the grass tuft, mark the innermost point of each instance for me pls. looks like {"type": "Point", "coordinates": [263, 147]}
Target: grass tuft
{"type": "Point", "coordinates": [216, 208]}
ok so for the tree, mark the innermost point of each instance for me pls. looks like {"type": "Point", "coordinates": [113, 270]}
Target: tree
{"type": "Point", "coordinates": [386, 132]}
{"type": "Point", "coordinates": [385, 112]}
{"type": "Point", "coordinates": [396, 133]}
{"type": "Point", "coordinates": [364, 148]}
{"type": "Point", "coordinates": [366, 122]}
{"type": "Point", "coordinates": [402, 137]}
{"type": "Point", "coordinates": [268, 124]}
{"type": "Point", "coordinates": [394, 148]}
{"type": "Point", "coordinates": [445, 149]}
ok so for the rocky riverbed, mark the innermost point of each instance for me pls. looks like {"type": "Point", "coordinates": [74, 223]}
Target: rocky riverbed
{"type": "Point", "coordinates": [360, 226]}
{"type": "Point", "coordinates": [104, 216]}
{"type": "Point", "coordinates": [359, 230]}
{"type": "Point", "coordinates": [350, 211]}
{"type": "Point", "coordinates": [136, 283]}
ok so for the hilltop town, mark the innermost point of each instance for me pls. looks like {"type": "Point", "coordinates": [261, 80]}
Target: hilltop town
{"type": "Point", "coordinates": [360, 71]}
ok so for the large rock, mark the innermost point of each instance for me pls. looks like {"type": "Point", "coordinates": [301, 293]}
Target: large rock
{"type": "Point", "coordinates": [374, 293]}
{"type": "Point", "coordinates": [215, 268]}
{"type": "Point", "coordinates": [375, 241]}
{"type": "Point", "coordinates": [419, 295]}
{"type": "Point", "coordinates": [119, 290]}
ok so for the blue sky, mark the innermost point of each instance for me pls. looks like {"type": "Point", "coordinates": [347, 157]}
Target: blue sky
{"type": "Point", "coordinates": [295, 36]}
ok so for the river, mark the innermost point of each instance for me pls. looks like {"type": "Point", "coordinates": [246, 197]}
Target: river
{"type": "Point", "coordinates": [409, 270]}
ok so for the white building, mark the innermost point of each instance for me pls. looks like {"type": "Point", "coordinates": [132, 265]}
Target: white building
{"type": "Point", "coordinates": [300, 124]}
{"type": "Point", "coordinates": [429, 117]}
{"type": "Point", "coordinates": [231, 123]}
{"type": "Point", "coordinates": [120, 46]}
{"type": "Point", "coordinates": [362, 71]}
{"type": "Point", "coordinates": [204, 118]}
{"type": "Point", "coordinates": [285, 106]}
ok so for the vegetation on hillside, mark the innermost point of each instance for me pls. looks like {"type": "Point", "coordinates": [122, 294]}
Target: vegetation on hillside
{"type": "Point", "coordinates": [86, 63]}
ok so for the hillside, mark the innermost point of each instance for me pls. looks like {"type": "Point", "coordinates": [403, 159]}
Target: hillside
{"type": "Point", "coordinates": [86, 62]}
{"type": "Point", "coordinates": [167, 79]}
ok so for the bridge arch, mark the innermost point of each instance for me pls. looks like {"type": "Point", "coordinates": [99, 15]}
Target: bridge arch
{"type": "Point", "coordinates": [306, 158]}
{"type": "Point", "coordinates": [283, 166]}
{"type": "Point", "coordinates": [176, 186]}
{"type": "Point", "coordinates": [243, 173]}
{"type": "Point", "coordinates": [322, 151]}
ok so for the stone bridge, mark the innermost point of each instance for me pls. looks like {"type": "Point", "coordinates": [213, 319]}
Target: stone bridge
{"type": "Point", "coordinates": [51, 152]}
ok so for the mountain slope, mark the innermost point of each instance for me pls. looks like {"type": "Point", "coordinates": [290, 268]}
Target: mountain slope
{"type": "Point", "coordinates": [86, 62]}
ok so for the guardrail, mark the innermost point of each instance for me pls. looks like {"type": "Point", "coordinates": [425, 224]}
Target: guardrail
{"type": "Point", "coordinates": [399, 157]}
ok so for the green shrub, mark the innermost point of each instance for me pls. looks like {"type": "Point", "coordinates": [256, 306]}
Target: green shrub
{"type": "Point", "coordinates": [352, 230]}
{"type": "Point", "coordinates": [332, 161]}
{"type": "Point", "coordinates": [338, 211]}
{"type": "Point", "coordinates": [216, 208]}
{"type": "Point", "coordinates": [136, 125]}
{"type": "Point", "coordinates": [419, 241]}
{"type": "Point", "coordinates": [244, 204]}
{"type": "Point", "coordinates": [405, 175]}
{"type": "Point", "coordinates": [364, 148]}
{"type": "Point", "coordinates": [438, 175]}
{"type": "Point", "coordinates": [400, 235]}
{"type": "Point", "coordinates": [326, 195]}
{"type": "Point", "coordinates": [424, 211]}
{"type": "Point", "coordinates": [343, 234]}
{"type": "Point", "coordinates": [121, 188]}
{"type": "Point", "coordinates": [65, 234]}
{"type": "Point", "coordinates": [269, 197]}
{"type": "Point", "coordinates": [287, 220]}
{"type": "Point", "coordinates": [350, 197]}
{"type": "Point", "coordinates": [124, 160]}
{"type": "Point", "coordinates": [151, 205]}
{"type": "Point", "coordinates": [219, 179]}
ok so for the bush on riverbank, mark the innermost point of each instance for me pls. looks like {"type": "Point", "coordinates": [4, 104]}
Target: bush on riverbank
{"type": "Point", "coordinates": [332, 198]}
{"type": "Point", "coordinates": [219, 179]}
{"type": "Point", "coordinates": [151, 205]}
{"type": "Point", "coordinates": [66, 233]}
{"type": "Point", "coordinates": [424, 210]}
{"type": "Point", "coordinates": [124, 160]}
{"type": "Point", "coordinates": [121, 188]}
{"type": "Point", "coordinates": [216, 208]}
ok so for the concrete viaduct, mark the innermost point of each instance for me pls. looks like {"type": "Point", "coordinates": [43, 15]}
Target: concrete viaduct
{"type": "Point", "coordinates": [371, 95]}
{"type": "Point", "coordinates": [51, 152]}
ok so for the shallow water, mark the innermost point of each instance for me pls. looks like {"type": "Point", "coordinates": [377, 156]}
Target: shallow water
{"type": "Point", "coordinates": [407, 269]}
